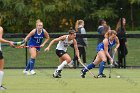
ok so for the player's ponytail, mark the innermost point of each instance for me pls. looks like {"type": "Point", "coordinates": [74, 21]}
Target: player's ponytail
{"type": "Point", "coordinates": [76, 25]}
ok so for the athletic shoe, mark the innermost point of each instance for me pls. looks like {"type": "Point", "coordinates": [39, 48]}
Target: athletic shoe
{"type": "Point", "coordinates": [26, 72]}
{"type": "Point", "coordinates": [57, 74]}
{"type": "Point", "coordinates": [2, 88]}
{"type": "Point", "coordinates": [101, 76]}
{"type": "Point", "coordinates": [83, 74]}
{"type": "Point", "coordinates": [32, 72]}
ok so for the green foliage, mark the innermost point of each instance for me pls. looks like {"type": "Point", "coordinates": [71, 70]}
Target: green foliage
{"type": "Point", "coordinates": [105, 12]}
{"type": "Point", "coordinates": [134, 1]}
{"type": "Point", "coordinates": [58, 15]}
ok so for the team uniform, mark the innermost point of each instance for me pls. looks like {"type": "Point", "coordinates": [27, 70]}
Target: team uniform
{"type": "Point", "coordinates": [36, 39]}
{"type": "Point", "coordinates": [61, 49]}
{"type": "Point", "coordinates": [62, 46]}
{"type": "Point", "coordinates": [100, 47]}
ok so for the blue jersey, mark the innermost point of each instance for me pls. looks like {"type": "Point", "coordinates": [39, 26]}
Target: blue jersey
{"type": "Point", "coordinates": [36, 39]}
{"type": "Point", "coordinates": [100, 46]}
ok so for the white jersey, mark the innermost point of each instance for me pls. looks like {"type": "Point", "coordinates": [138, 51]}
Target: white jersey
{"type": "Point", "coordinates": [63, 44]}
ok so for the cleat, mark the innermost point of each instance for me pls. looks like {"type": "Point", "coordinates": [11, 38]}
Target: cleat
{"type": "Point", "coordinates": [101, 76]}
{"type": "Point", "coordinates": [83, 74]}
{"type": "Point", "coordinates": [57, 74]}
{"type": "Point", "coordinates": [32, 72]}
{"type": "Point", "coordinates": [2, 88]}
{"type": "Point", "coordinates": [26, 72]}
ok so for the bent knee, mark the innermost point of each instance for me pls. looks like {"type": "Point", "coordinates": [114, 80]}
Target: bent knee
{"type": "Point", "coordinates": [68, 60]}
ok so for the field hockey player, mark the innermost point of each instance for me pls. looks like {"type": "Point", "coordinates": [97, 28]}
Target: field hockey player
{"type": "Point", "coordinates": [64, 42]}
{"type": "Point", "coordinates": [102, 51]}
{"type": "Point", "coordinates": [34, 39]}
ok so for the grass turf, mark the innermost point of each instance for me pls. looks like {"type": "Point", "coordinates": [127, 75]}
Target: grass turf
{"type": "Point", "coordinates": [71, 82]}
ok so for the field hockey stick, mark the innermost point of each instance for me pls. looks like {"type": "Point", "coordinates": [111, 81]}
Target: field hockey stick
{"type": "Point", "coordinates": [26, 46]}
{"type": "Point", "coordinates": [87, 69]}
{"type": "Point", "coordinates": [19, 43]}
{"type": "Point", "coordinates": [110, 68]}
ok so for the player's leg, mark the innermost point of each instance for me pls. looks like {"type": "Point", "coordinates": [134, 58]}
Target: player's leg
{"type": "Point", "coordinates": [101, 69]}
{"type": "Point", "coordinates": [31, 62]}
{"type": "Point", "coordinates": [102, 64]}
{"type": "Point", "coordinates": [64, 59]}
{"type": "Point", "coordinates": [90, 66]}
{"type": "Point", "coordinates": [33, 53]}
{"type": "Point", "coordinates": [1, 71]}
{"type": "Point", "coordinates": [72, 64]}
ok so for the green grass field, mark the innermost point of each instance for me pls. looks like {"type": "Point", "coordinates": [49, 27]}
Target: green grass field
{"type": "Point", "coordinates": [71, 82]}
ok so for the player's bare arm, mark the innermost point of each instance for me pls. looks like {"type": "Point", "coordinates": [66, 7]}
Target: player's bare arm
{"type": "Point", "coordinates": [47, 38]}
{"type": "Point", "coordinates": [55, 40]}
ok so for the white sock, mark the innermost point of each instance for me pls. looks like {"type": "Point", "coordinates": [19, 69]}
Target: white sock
{"type": "Point", "coordinates": [61, 66]}
{"type": "Point", "coordinates": [1, 77]}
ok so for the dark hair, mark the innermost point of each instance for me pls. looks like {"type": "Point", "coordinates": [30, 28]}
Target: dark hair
{"type": "Point", "coordinates": [101, 21]}
{"type": "Point", "coordinates": [71, 31]}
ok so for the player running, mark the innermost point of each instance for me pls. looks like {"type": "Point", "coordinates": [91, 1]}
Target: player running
{"type": "Point", "coordinates": [102, 51]}
{"type": "Point", "coordinates": [64, 42]}
{"type": "Point", "coordinates": [35, 38]}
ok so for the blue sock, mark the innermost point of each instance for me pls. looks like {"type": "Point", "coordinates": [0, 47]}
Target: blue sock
{"type": "Point", "coordinates": [32, 62]}
{"type": "Point", "coordinates": [28, 65]}
{"type": "Point", "coordinates": [90, 66]}
{"type": "Point", "coordinates": [101, 68]}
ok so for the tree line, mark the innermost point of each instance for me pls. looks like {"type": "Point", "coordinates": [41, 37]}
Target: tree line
{"type": "Point", "coordinates": [19, 16]}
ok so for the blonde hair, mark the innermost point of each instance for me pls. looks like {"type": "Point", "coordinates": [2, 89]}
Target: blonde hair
{"type": "Point", "coordinates": [38, 21]}
{"type": "Point", "coordinates": [78, 22]}
{"type": "Point", "coordinates": [108, 34]}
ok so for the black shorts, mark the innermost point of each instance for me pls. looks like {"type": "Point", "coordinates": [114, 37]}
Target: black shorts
{"type": "Point", "coordinates": [1, 56]}
{"type": "Point", "coordinates": [60, 53]}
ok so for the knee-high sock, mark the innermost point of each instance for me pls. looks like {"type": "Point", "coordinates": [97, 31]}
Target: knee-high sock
{"type": "Point", "coordinates": [101, 68]}
{"type": "Point", "coordinates": [1, 77]}
{"type": "Point", "coordinates": [90, 66]}
{"type": "Point", "coordinates": [28, 65]}
{"type": "Point", "coordinates": [32, 62]}
{"type": "Point", "coordinates": [61, 66]}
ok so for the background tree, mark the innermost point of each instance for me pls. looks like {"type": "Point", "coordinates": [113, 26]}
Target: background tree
{"type": "Point", "coordinates": [19, 16]}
